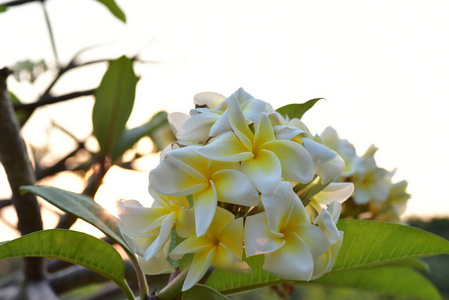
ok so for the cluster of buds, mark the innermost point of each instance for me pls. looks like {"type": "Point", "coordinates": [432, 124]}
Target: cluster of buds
{"type": "Point", "coordinates": [376, 196]}
{"type": "Point", "coordinates": [237, 183]}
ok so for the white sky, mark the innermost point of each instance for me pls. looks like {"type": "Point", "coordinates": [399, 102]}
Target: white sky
{"type": "Point", "coordinates": [383, 67]}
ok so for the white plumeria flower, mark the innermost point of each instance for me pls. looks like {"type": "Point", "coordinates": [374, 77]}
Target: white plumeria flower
{"type": "Point", "coordinates": [184, 172]}
{"type": "Point", "coordinates": [345, 149]}
{"type": "Point", "coordinates": [221, 247]}
{"type": "Point", "coordinates": [210, 117]}
{"type": "Point", "coordinates": [148, 229]}
{"type": "Point", "coordinates": [335, 191]}
{"type": "Point", "coordinates": [264, 159]}
{"type": "Point", "coordinates": [326, 221]}
{"type": "Point", "coordinates": [285, 235]}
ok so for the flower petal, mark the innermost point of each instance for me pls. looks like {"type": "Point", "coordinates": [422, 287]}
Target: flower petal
{"type": "Point", "coordinates": [136, 218]}
{"type": "Point", "coordinates": [197, 127]}
{"type": "Point", "coordinates": [192, 244]}
{"type": "Point", "coordinates": [335, 191]}
{"type": "Point", "coordinates": [234, 187]}
{"type": "Point", "coordinates": [163, 236]}
{"type": "Point", "coordinates": [292, 261]}
{"type": "Point", "coordinates": [200, 263]}
{"type": "Point", "coordinates": [296, 162]}
{"type": "Point", "coordinates": [314, 238]}
{"type": "Point", "coordinates": [209, 99]}
{"type": "Point", "coordinates": [185, 225]}
{"type": "Point", "coordinates": [226, 147]}
{"type": "Point", "coordinates": [225, 259]}
{"type": "Point", "coordinates": [264, 171]}
{"type": "Point", "coordinates": [169, 179]}
{"type": "Point", "coordinates": [175, 121]}
{"type": "Point", "coordinates": [264, 133]}
{"type": "Point", "coordinates": [258, 237]}
{"type": "Point", "coordinates": [205, 204]}
{"type": "Point", "coordinates": [231, 236]}
{"type": "Point", "coordinates": [253, 109]}
{"type": "Point", "coordinates": [221, 219]}
{"type": "Point", "coordinates": [238, 122]}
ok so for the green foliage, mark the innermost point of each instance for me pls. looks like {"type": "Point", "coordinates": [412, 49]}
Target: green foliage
{"type": "Point", "coordinates": [297, 110]}
{"type": "Point", "coordinates": [3, 8]}
{"type": "Point", "coordinates": [366, 244]}
{"type": "Point", "coordinates": [114, 9]}
{"type": "Point", "coordinates": [132, 136]}
{"type": "Point", "coordinates": [114, 100]}
{"type": "Point", "coordinates": [74, 247]}
{"type": "Point", "coordinates": [200, 291]}
{"type": "Point", "coordinates": [389, 280]}
{"type": "Point", "coordinates": [81, 206]}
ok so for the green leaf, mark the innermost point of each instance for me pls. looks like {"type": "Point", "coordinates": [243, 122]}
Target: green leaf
{"type": "Point", "coordinates": [391, 281]}
{"type": "Point", "coordinates": [297, 110]}
{"type": "Point", "coordinates": [200, 291]}
{"type": "Point", "coordinates": [83, 207]}
{"type": "Point", "coordinates": [114, 101]}
{"type": "Point", "coordinates": [132, 136]}
{"type": "Point", "coordinates": [373, 243]}
{"type": "Point", "coordinates": [74, 247]}
{"type": "Point", "coordinates": [114, 9]}
{"type": "Point", "coordinates": [3, 8]}
{"type": "Point", "coordinates": [365, 244]}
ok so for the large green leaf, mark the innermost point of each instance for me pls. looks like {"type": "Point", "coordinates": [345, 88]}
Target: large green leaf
{"type": "Point", "coordinates": [114, 9]}
{"type": "Point", "coordinates": [373, 243]}
{"type": "Point", "coordinates": [365, 244]}
{"type": "Point", "coordinates": [200, 291]}
{"type": "Point", "coordinates": [132, 136]}
{"type": "Point", "coordinates": [3, 8]}
{"type": "Point", "coordinates": [389, 280]}
{"type": "Point", "coordinates": [297, 110]}
{"type": "Point", "coordinates": [114, 101]}
{"type": "Point", "coordinates": [74, 247]}
{"type": "Point", "coordinates": [83, 207]}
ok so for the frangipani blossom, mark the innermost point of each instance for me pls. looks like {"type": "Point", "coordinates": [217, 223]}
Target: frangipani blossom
{"type": "Point", "coordinates": [335, 191]}
{"type": "Point", "coordinates": [209, 118]}
{"type": "Point", "coordinates": [285, 234]}
{"type": "Point", "coordinates": [327, 221]}
{"type": "Point", "coordinates": [221, 247]}
{"type": "Point", "coordinates": [264, 159]}
{"type": "Point", "coordinates": [148, 229]}
{"type": "Point", "coordinates": [184, 172]}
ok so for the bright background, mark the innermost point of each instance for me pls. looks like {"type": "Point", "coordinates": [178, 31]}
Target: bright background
{"type": "Point", "coordinates": [383, 67]}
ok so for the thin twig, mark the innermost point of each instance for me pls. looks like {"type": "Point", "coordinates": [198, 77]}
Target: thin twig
{"type": "Point", "coordinates": [48, 99]}
{"type": "Point", "coordinates": [5, 203]}
{"type": "Point", "coordinates": [50, 33]}
{"type": "Point", "coordinates": [18, 2]}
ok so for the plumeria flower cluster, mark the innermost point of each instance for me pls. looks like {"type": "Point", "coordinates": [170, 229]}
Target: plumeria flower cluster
{"type": "Point", "coordinates": [376, 196]}
{"type": "Point", "coordinates": [237, 183]}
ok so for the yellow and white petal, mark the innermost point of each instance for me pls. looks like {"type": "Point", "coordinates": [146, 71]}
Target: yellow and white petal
{"type": "Point", "coordinates": [264, 171]}
{"type": "Point", "coordinates": [168, 179]}
{"type": "Point", "coordinates": [238, 123]}
{"type": "Point", "coordinates": [284, 209]}
{"type": "Point", "coordinates": [200, 263]}
{"type": "Point", "coordinates": [335, 191]}
{"type": "Point", "coordinates": [264, 133]}
{"type": "Point", "coordinates": [296, 162]}
{"type": "Point", "coordinates": [197, 127]}
{"type": "Point", "coordinates": [292, 261]}
{"type": "Point", "coordinates": [225, 259]}
{"type": "Point", "coordinates": [162, 238]}
{"type": "Point", "coordinates": [188, 160]}
{"type": "Point", "coordinates": [204, 205]}
{"type": "Point", "coordinates": [222, 218]}
{"type": "Point", "coordinates": [234, 187]}
{"type": "Point", "coordinates": [231, 235]}
{"type": "Point", "coordinates": [258, 236]}
{"type": "Point", "coordinates": [136, 218]}
{"type": "Point", "coordinates": [158, 264]}
{"type": "Point", "coordinates": [314, 238]}
{"type": "Point", "coordinates": [185, 225]}
{"type": "Point", "coordinates": [222, 125]}
{"type": "Point", "coordinates": [227, 147]}
{"type": "Point", "coordinates": [209, 99]}
{"type": "Point", "coordinates": [192, 244]}
{"type": "Point", "coordinates": [321, 264]}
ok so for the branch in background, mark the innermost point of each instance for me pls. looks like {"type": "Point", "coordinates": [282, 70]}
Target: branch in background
{"type": "Point", "coordinates": [18, 2]}
{"type": "Point", "coordinates": [48, 99]}
{"type": "Point", "coordinates": [5, 203]}
{"type": "Point", "coordinates": [14, 157]}
{"type": "Point", "coordinates": [50, 33]}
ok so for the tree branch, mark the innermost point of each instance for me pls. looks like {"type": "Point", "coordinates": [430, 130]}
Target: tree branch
{"type": "Point", "coordinates": [14, 157]}
{"type": "Point", "coordinates": [49, 99]}
{"type": "Point", "coordinates": [18, 2]}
